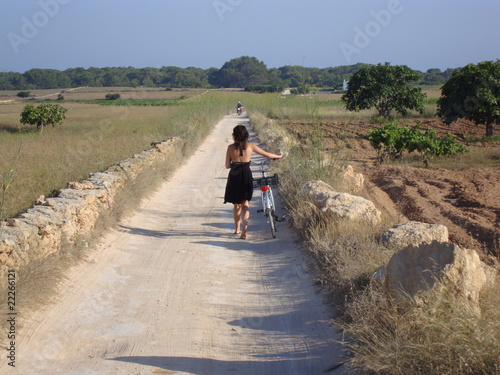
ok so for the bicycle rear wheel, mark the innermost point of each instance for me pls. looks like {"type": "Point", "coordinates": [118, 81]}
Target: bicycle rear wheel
{"type": "Point", "coordinates": [272, 222]}
{"type": "Point", "coordinates": [272, 213]}
{"type": "Point", "coordinates": [268, 201]}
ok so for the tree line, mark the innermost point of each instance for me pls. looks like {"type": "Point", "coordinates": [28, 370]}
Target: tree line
{"type": "Point", "coordinates": [472, 93]}
{"type": "Point", "coordinates": [240, 72]}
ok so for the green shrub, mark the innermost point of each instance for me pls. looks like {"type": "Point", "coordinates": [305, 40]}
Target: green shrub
{"type": "Point", "coordinates": [391, 141]}
{"type": "Point", "coordinates": [23, 94]}
{"type": "Point", "coordinates": [112, 96]}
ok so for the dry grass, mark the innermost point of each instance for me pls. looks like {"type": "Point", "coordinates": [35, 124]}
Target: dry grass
{"type": "Point", "coordinates": [396, 337]}
{"type": "Point", "coordinates": [478, 157]}
{"type": "Point", "coordinates": [382, 336]}
{"type": "Point", "coordinates": [92, 138]}
{"type": "Point", "coordinates": [96, 93]}
{"type": "Point", "coordinates": [340, 254]}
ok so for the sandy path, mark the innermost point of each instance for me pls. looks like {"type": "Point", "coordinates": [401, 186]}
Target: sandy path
{"type": "Point", "coordinates": [174, 292]}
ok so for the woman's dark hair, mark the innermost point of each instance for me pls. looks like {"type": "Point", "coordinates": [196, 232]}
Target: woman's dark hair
{"type": "Point", "coordinates": [240, 136]}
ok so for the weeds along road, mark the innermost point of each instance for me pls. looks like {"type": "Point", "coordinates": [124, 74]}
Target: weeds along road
{"type": "Point", "coordinates": [173, 291]}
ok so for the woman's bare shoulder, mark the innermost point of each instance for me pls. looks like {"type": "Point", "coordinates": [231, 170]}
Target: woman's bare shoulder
{"type": "Point", "coordinates": [254, 147]}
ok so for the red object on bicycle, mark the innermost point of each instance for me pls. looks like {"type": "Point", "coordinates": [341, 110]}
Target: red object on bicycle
{"type": "Point", "coordinates": [264, 188]}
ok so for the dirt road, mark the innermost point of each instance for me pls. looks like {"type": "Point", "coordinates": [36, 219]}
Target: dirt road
{"type": "Point", "coordinates": [173, 291]}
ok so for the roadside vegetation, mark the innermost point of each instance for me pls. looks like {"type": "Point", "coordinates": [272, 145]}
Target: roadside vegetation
{"type": "Point", "coordinates": [381, 336]}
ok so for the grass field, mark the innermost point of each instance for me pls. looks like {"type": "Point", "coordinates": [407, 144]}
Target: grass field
{"type": "Point", "coordinates": [95, 93]}
{"type": "Point", "coordinates": [93, 137]}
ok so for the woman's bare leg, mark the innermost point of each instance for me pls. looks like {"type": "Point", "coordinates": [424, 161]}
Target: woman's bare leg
{"type": "Point", "coordinates": [245, 215]}
{"type": "Point", "coordinates": [237, 218]}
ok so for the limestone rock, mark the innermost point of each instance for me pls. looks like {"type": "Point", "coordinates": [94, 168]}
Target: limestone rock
{"type": "Point", "coordinates": [11, 254]}
{"type": "Point", "coordinates": [417, 269]}
{"type": "Point", "coordinates": [352, 180]}
{"type": "Point", "coordinates": [84, 185]}
{"type": "Point", "coordinates": [414, 233]}
{"type": "Point", "coordinates": [22, 231]}
{"type": "Point", "coordinates": [40, 200]}
{"type": "Point", "coordinates": [341, 206]}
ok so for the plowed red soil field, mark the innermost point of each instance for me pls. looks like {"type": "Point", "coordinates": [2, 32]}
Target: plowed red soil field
{"type": "Point", "coordinates": [465, 198]}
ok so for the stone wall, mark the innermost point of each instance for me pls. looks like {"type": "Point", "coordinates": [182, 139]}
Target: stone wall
{"type": "Point", "coordinates": [54, 223]}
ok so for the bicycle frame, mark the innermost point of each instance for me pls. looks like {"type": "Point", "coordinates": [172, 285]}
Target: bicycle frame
{"type": "Point", "coordinates": [267, 197]}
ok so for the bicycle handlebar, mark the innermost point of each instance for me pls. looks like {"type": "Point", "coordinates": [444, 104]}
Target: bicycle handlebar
{"type": "Point", "coordinates": [266, 161]}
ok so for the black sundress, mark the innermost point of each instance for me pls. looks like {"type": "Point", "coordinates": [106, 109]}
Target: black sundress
{"type": "Point", "coordinates": [239, 186]}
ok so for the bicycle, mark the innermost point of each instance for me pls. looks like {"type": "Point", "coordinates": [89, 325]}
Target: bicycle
{"type": "Point", "coordinates": [268, 207]}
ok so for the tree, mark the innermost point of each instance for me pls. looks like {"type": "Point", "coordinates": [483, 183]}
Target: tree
{"type": "Point", "coordinates": [42, 115]}
{"type": "Point", "coordinates": [113, 96]}
{"type": "Point", "coordinates": [386, 88]}
{"type": "Point", "coordinates": [46, 78]}
{"type": "Point", "coordinates": [295, 75]}
{"type": "Point", "coordinates": [473, 93]}
{"type": "Point", "coordinates": [80, 77]}
{"type": "Point", "coordinates": [12, 81]}
{"type": "Point", "coordinates": [433, 76]}
{"type": "Point", "coordinates": [23, 94]}
{"type": "Point", "coordinates": [241, 72]}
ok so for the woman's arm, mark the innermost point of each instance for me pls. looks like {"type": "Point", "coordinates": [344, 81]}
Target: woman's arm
{"type": "Point", "coordinates": [260, 151]}
{"type": "Point", "coordinates": [228, 159]}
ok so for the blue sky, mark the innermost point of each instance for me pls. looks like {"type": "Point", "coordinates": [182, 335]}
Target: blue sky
{"type": "Point", "coordinates": [423, 34]}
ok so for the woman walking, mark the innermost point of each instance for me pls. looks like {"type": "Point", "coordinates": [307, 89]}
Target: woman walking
{"type": "Point", "coordinates": [239, 187]}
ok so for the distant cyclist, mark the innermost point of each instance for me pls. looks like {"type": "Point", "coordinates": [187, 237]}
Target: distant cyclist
{"type": "Point", "coordinates": [239, 108]}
